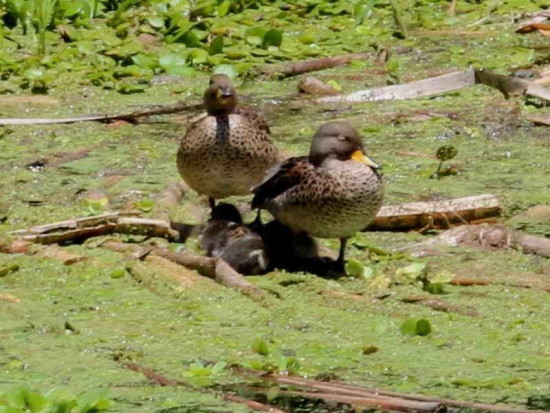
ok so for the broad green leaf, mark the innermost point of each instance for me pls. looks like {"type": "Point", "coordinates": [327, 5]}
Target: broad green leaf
{"type": "Point", "coordinates": [412, 271]}
{"type": "Point", "coordinates": [416, 327]}
{"type": "Point", "coordinates": [198, 56]}
{"type": "Point", "coordinates": [218, 367]}
{"type": "Point", "coordinates": [118, 273]}
{"type": "Point", "coordinates": [273, 37]}
{"type": "Point", "coordinates": [216, 45]}
{"type": "Point", "coordinates": [226, 69]}
{"type": "Point", "coordinates": [259, 346]}
{"type": "Point", "coordinates": [255, 35]}
{"type": "Point", "coordinates": [156, 21]}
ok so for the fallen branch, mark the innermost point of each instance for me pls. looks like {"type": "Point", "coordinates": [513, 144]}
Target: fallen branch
{"type": "Point", "coordinates": [419, 88]}
{"type": "Point", "coordinates": [162, 380]}
{"type": "Point", "coordinates": [213, 268]}
{"type": "Point", "coordinates": [60, 158]}
{"type": "Point", "coordinates": [508, 85]}
{"type": "Point", "coordinates": [484, 237]}
{"type": "Point", "coordinates": [337, 388]}
{"type": "Point", "coordinates": [469, 282]}
{"type": "Point", "coordinates": [131, 117]}
{"type": "Point", "coordinates": [440, 305]}
{"type": "Point", "coordinates": [438, 214]}
{"type": "Point", "coordinates": [306, 66]}
{"type": "Point", "coordinates": [381, 403]}
{"type": "Point", "coordinates": [168, 200]}
{"type": "Point", "coordinates": [80, 229]}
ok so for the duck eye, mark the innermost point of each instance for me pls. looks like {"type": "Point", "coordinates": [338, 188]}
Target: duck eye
{"type": "Point", "coordinates": [341, 138]}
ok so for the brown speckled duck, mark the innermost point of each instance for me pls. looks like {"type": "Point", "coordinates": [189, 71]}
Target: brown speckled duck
{"type": "Point", "coordinates": [228, 151]}
{"type": "Point", "coordinates": [333, 193]}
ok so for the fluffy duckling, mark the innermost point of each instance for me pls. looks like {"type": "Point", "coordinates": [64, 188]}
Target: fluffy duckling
{"type": "Point", "coordinates": [226, 237]}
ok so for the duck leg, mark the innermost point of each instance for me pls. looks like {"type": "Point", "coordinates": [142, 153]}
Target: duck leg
{"type": "Point", "coordinates": [257, 225]}
{"type": "Point", "coordinates": [211, 203]}
{"type": "Point", "coordinates": [340, 262]}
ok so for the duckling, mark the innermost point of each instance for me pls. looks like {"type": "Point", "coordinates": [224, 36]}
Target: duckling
{"type": "Point", "coordinates": [334, 192]}
{"type": "Point", "coordinates": [225, 236]}
{"type": "Point", "coordinates": [228, 151]}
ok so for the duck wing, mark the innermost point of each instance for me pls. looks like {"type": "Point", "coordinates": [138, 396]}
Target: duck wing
{"type": "Point", "coordinates": [280, 178]}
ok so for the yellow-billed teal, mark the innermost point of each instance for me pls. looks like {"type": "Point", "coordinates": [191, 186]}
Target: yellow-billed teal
{"type": "Point", "coordinates": [228, 151]}
{"type": "Point", "coordinates": [333, 193]}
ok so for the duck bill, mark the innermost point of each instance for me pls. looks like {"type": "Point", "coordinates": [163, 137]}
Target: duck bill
{"type": "Point", "coordinates": [223, 93]}
{"type": "Point", "coordinates": [359, 156]}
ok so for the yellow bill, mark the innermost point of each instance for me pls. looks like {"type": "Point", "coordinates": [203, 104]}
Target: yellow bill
{"type": "Point", "coordinates": [359, 156]}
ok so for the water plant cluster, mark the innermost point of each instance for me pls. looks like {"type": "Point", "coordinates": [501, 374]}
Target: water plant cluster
{"type": "Point", "coordinates": [122, 45]}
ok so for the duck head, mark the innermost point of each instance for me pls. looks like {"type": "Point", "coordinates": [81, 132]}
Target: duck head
{"type": "Point", "coordinates": [338, 140]}
{"type": "Point", "coordinates": [220, 97]}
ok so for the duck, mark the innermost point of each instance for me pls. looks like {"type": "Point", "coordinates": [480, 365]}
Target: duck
{"type": "Point", "coordinates": [228, 151]}
{"type": "Point", "coordinates": [333, 192]}
{"type": "Point", "coordinates": [225, 236]}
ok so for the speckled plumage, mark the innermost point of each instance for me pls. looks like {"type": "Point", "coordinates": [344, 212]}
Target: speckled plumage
{"type": "Point", "coordinates": [333, 193]}
{"type": "Point", "coordinates": [334, 200]}
{"type": "Point", "coordinates": [227, 152]}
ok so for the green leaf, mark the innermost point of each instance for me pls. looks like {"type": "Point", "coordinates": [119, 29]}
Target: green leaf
{"type": "Point", "coordinates": [255, 35]}
{"type": "Point", "coordinates": [216, 45]}
{"type": "Point", "coordinates": [416, 327]}
{"type": "Point", "coordinates": [145, 204]}
{"type": "Point", "coordinates": [156, 21]}
{"type": "Point", "coordinates": [223, 8]}
{"type": "Point", "coordinates": [218, 367]}
{"type": "Point", "coordinates": [173, 64]}
{"type": "Point", "coordinates": [334, 84]}
{"type": "Point", "coordinates": [273, 37]}
{"type": "Point", "coordinates": [272, 393]}
{"type": "Point", "coordinates": [226, 69]}
{"type": "Point", "coordinates": [8, 269]}
{"type": "Point", "coordinates": [259, 346]}
{"type": "Point", "coordinates": [118, 273]}
{"type": "Point", "coordinates": [446, 152]}
{"type": "Point", "coordinates": [412, 271]}
{"type": "Point", "coordinates": [198, 56]}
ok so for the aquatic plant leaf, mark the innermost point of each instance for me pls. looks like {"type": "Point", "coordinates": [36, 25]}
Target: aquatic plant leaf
{"type": "Point", "coordinates": [412, 271]}
{"type": "Point", "coordinates": [226, 69]}
{"type": "Point", "coordinates": [216, 45]}
{"type": "Point", "coordinates": [255, 35]}
{"type": "Point", "coordinates": [118, 273]}
{"type": "Point", "coordinates": [198, 56]}
{"type": "Point", "coordinates": [260, 346]}
{"type": "Point", "coordinates": [446, 152]}
{"type": "Point", "coordinates": [218, 367]}
{"type": "Point", "coordinates": [156, 21]}
{"type": "Point", "coordinates": [354, 268]}
{"type": "Point", "coordinates": [416, 327]}
{"type": "Point", "coordinates": [273, 37]}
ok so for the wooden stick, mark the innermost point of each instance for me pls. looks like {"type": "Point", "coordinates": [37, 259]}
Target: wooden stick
{"type": "Point", "coordinates": [382, 403]}
{"type": "Point", "coordinates": [438, 213]}
{"type": "Point", "coordinates": [352, 390]}
{"type": "Point", "coordinates": [168, 200]}
{"type": "Point", "coordinates": [129, 117]}
{"type": "Point", "coordinates": [419, 88]}
{"type": "Point", "coordinates": [80, 229]}
{"type": "Point", "coordinates": [162, 380]}
{"type": "Point", "coordinates": [306, 66]}
{"type": "Point", "coordinates": [485, 237]}
{"type": "Point", "coordinates": [254, 405]}
{"type": "Point", "coordinates": [508, 85]}
{"type": "Point", "coordinates": [213, 268]}
{"type": "Point", "coordinates": [440, 305]}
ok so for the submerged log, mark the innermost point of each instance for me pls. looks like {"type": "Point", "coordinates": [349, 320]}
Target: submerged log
{"type": "Point", "coordinates": [438, 214]}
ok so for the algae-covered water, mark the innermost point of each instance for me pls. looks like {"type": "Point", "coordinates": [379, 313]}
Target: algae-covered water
{"type": "Point", "coordinates": [74, 325]}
